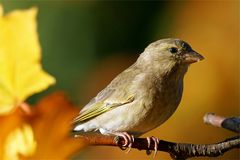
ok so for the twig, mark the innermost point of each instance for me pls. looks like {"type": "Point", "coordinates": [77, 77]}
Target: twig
{"type": "Point", "coordinates": [176, 150]}
{"type": "Point", "coordinates": [232, 123]}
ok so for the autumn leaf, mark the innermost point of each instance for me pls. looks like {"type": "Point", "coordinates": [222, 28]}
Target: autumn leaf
{"type": "Point", "coordinates": [52, 127]}
{"type": "Point", "coordinates": [21, 74]}
{"type": "Point", "coordinates": [8, 124]}
{"type": "Point", "coordinates": [19, 142]}
{"type": "Point", "coordinates": [43, 134]}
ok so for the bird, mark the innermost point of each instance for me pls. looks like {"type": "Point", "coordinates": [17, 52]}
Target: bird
{"type": "Point", "coordinates": [143, 96]}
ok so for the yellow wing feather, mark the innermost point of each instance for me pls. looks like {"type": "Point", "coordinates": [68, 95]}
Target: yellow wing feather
{"type": "Point", "coordinates": [99, 108]}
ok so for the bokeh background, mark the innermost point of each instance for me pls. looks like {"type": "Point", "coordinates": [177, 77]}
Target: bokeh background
{"type": "Point", "coordinates": [85, 44]}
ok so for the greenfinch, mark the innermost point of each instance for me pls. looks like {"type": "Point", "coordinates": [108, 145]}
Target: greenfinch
{"type": "Point", "coordinates": [143, 96]}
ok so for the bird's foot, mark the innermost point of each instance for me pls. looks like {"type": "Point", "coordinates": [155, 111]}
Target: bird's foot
{"type": "Point", "coordinates": [128, 139]}
{"type": "Point", "coordinates": [156, 142]}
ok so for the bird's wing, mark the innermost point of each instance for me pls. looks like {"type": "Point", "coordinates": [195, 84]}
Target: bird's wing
{"type": "Point", "coordinates": [98, 108]}
{"type": "Point", "coordinates": [117, 93]}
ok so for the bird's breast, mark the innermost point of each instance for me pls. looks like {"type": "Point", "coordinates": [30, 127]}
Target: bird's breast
{"type": "Point", "coordinates": [159, 103]}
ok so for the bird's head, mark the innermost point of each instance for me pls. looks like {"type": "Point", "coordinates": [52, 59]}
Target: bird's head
{"type": "Point", "coordinates": [167, 53]}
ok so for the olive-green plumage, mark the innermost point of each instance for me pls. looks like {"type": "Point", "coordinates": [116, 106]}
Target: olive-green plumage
{"type": "Point", "coordinates": [143, 96]}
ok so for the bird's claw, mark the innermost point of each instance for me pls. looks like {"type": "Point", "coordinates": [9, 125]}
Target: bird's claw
{"type": "Point", "coordinates": [156, 142]}
{"type": "Point", "coordinates": [128, 140]}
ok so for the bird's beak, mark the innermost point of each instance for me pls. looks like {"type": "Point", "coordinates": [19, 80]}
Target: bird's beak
{"type": "Point", "coordinates": [192, 57]}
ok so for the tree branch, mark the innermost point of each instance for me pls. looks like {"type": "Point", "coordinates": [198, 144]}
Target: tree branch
{"type": "Point", "coordinates": [176, 150]}
{"type": "Point", "coordinates": [232, 123]}
{"type": "Point", "coordinates": [180, 150]}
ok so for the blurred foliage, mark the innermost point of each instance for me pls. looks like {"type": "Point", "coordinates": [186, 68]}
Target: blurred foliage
{"type": "Point", "coordinates": [25, 131]}
{"type": "Point", "coordinates": [85, 44]}
{"type": "Point", "coordinates": [44, 133]}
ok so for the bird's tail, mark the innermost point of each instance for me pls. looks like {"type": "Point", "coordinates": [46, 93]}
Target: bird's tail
{"type": "Point", "coordinates": [80, 130]}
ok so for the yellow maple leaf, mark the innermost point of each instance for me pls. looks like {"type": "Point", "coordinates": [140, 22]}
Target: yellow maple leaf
{"type": "Point", "coordinates": [21, 74]}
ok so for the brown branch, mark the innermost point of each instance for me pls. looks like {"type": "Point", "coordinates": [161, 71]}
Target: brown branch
{"type": "Point", "coordinates": [214, 120]}
{"type": "Point", "coordinates": [180, 150]}
{"type": "Point", "coordinates": [176, 150]}
{"type": "Point", "coordinates": [232, 123]}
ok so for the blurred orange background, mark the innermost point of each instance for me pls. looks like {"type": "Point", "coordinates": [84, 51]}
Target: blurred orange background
{"type": "Point", "coordinates": [86, 53]}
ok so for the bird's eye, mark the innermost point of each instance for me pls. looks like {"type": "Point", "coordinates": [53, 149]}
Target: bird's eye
{"type": "Point", "coordinates": [173, 50]}
{"type": "Point", "coordinates": [186, 47]}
